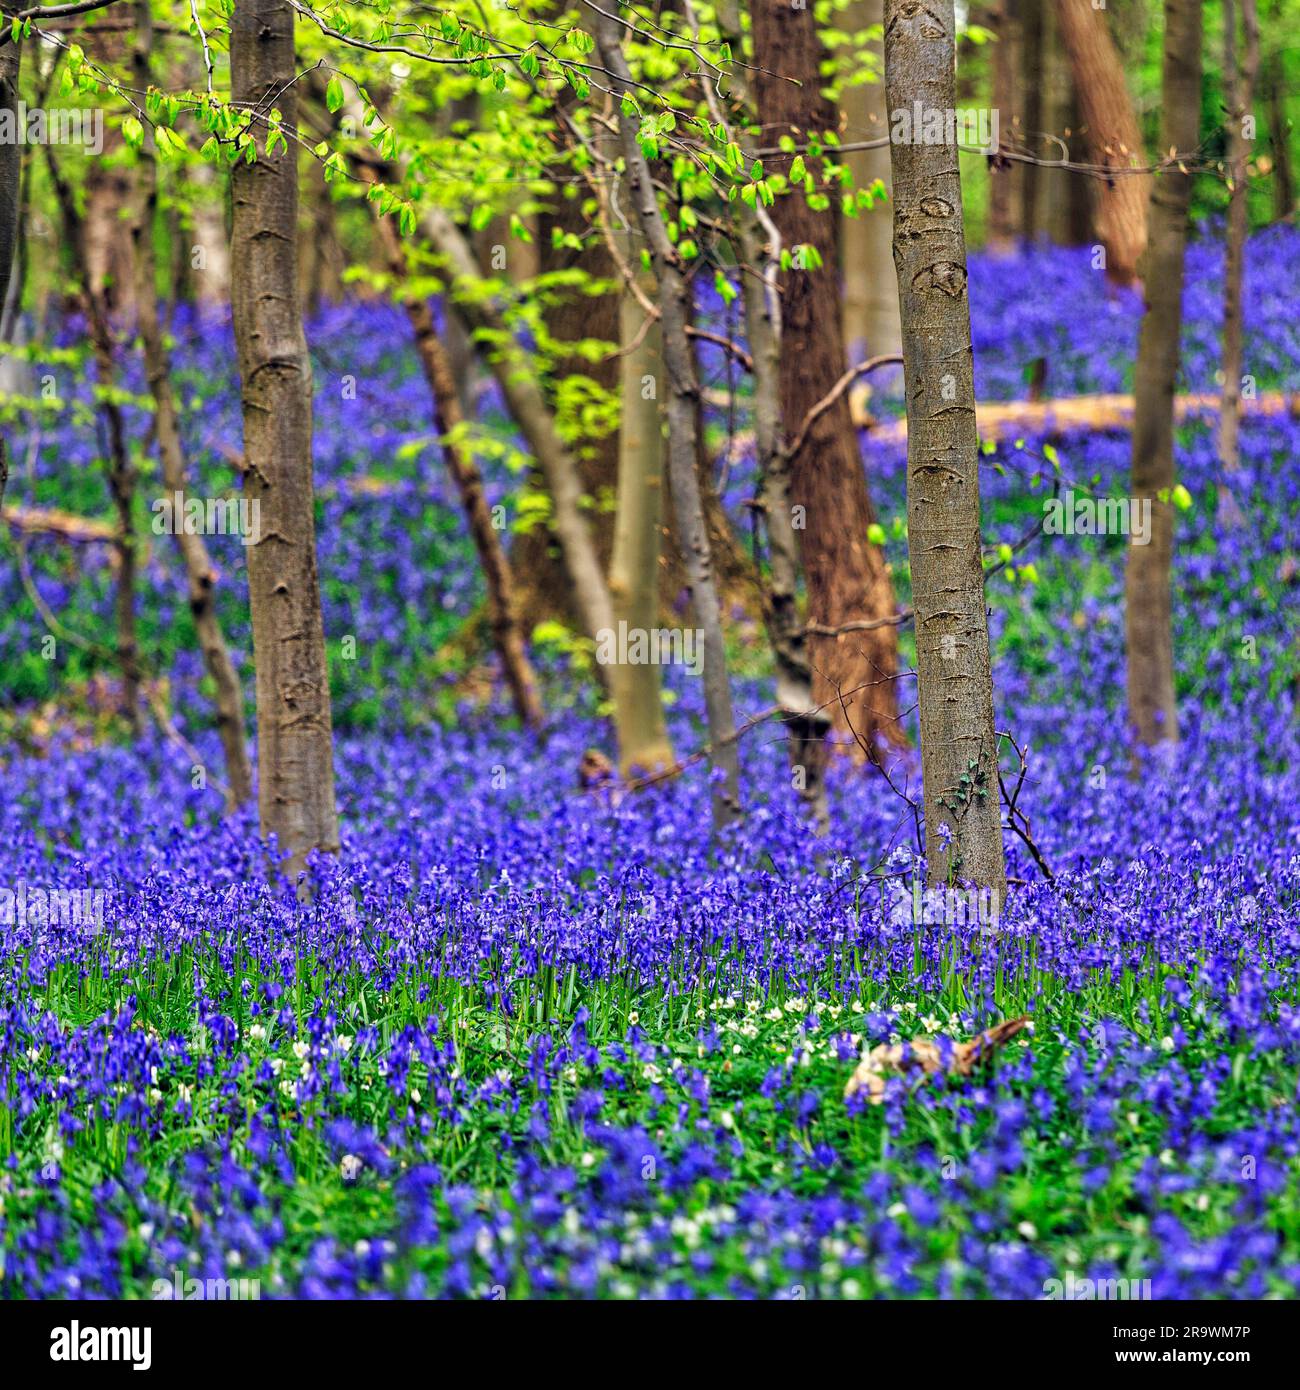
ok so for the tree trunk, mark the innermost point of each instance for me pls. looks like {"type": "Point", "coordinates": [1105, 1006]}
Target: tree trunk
{"type": "Point", "coordinates": [1148, 605]}
{"type": "Point", "coordinates": [684, 391]}
{"type": "Point", "coordinates": [527, 404]}
{"type": "Point", "coordinates": [1111, 134]}
{"type": "Point", "coordinates": [109, 260]}
{"type": "Point", "coordinates": [1279, 127]}
{"type": "Point", "coordinates": [322, 274]}
{"type": "Point", "coordinates": [643, 741]}
{"type": "Point", "coordinates": [11, 164]}
{"type": "Point", "coordinates": [1241, 93]}
{"type": "Point", "coordinates": [847, 578]}
{"type": "Point", "coordinates": [1031, 84]}
{"type": "Point", "coordinates": [121, 475]}
{"type": "Point", "coordinates": [1002, 220]}
{"type": "Point", "coordinates": [294, 724]}
{"type": "Point", "coordinates": [507, 634]}
{"type": "Point", "coordinates": [959, 752]}
{"type": "Point", "coordinates": [870, 325]}
{"type": "Point", "coordinates": [571, 316]}
{"type": "Point", "coordinates": [200, 575]}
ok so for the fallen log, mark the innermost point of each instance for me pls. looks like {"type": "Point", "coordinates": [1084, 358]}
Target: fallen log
{"type": "Point", "coordinates": [67, 526]}
{"type": "Point", "coordinates": [1003, 421]}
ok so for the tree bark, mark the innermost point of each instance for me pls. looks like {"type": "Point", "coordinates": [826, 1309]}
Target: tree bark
{"type": "Point", "coordinates": [1002, 220]}
{"type": "Point", "coordinates": [294, 723]}
{"type": "Point", "coordinates": [1148, 605]}
{"type": "Point", "coordinates": [847, 578]}
{"type": "Point", "coordinates": [1031, 84]}
{"type": "Point", "coordinates": [527, 404]}
{"type": "Point", "coordinates": [507, 632]}
{"type": "Point", "coordinates": [11, 165]}
{"type": "Point", "coordinates": [571, 316]}
{"type": "Point", "coordinates": [1111, 134]}
{"type": "Point", "coordinates": [121, 474]}
{"type": "Point", "coordinates": [200, 574]}
{"type": "Point", "coordinates": [643, 741]}
{"type": "Point", "coordinates": [1279, 127]}
{"type": "Point", "coordinates": [1241, 93]}
{"type": "Point", "coordinates": [959, 753]}
{"type": "Point", "coordinates": [870, 325]}
{"type": "Point", "coordinates": [684, 391]}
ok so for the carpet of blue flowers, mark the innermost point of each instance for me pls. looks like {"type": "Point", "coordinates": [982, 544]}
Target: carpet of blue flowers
{"type": "Point", "coordinates": [527, 1041]}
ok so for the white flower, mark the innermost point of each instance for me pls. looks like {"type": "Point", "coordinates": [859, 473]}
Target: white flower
{"type": "Point", "coordinates": [257, 1033]}
{"type": "Point", "coordinates": [301, 1049]}
{"type": "Point", "coordinates": [350, 1167]}
{"type": "Point", "coordinates": [1028, 1230]}
{"type": "Point", "coordinates": [343, 1043]}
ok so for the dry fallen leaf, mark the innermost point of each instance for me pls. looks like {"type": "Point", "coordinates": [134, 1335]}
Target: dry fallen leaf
{"type": "Point", "coordinates": [924, 1054]}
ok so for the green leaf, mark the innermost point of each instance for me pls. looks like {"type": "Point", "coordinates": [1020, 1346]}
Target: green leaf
{"type": "Point", "coordinates": [334, 93]}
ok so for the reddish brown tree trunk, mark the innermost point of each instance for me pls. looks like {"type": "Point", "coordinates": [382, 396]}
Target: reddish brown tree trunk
{"type": "Point", "coordinates": [846, 574]}
{"type": "Point", "coordinates": [1111, 135]}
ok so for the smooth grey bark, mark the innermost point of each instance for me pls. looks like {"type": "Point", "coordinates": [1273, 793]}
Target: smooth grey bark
{"type": "Point", "coordinates": [200, 574]}
{"type": "Point", "coordinates": [1149, 639]}
{"type": "Point", "coordinates": [1240, 80]}
{"type": "Point", "coordinates": [959, 752]}
{"type": "Point", "coordinates": [643, 742]}
{"type": "Point", "coordinates": [294, 723]}
{"type": "Point", "coordinates": [683, 400]}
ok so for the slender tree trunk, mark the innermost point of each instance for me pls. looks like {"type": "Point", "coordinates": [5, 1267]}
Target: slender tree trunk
{"type": "Point", "coordinates": [1031, 85]}
{"type": "Point", "coordinates": [324, 261]}
{"type": "Point", "coordinates": [959, 752]}
{"type": "Point", "coordinates": [507, 633]}
{"type": "Point", "coordinates": [1149, 629]}
{"type": "Point", "coordinates": [643, 741]}
{"type": "Point", "coordinates": [11, 165]}
{"type": "Point", "coordinates": [206, 251]}
{"type": "Point", "coordinates": [121, 474]}
{"type": "Point", "coordinates": [684, 390]}
{"type": "Point", "coordinates": [1241, 87]}
{"type": "Point", "coordinates": [1279, 127]}
{"type": "Point", "coordinates": [527, 404]}
{"type": "Point", "coordinates": [847, 578]}
{"type": "Point", "coordinates": [200, 575]}
{"type": "Point", "coordinates": [806, 724]}
{"type": "Point", "coordinates": [294, 724]}
{"type": "Point", "coordinates": [108, 189]}
{"type": "Point", "coordinates": [755, 239]}
{"type": "Point", "coordinates": [1111, 133]}
{"type": "Point", "coordinates": [1002, 220]}
{"type": "Point", "coordinates": [870, 325]}
{"type": "Point", "coordinates": [572, 315]}
{"type": "Point", "coordinates": [1061, 193]}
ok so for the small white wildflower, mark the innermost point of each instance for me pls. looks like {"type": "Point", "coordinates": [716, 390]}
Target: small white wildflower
{"type": "Point", "coordinates": [350, 1167]}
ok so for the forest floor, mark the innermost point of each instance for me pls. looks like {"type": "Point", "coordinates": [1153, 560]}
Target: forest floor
{"type": "Point", "coordinates": [530, 1041]}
